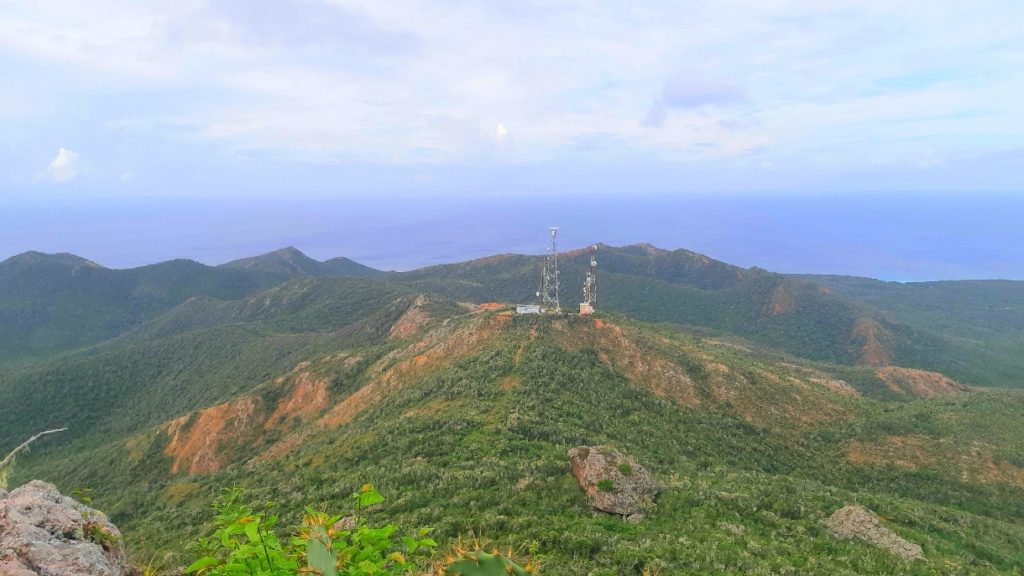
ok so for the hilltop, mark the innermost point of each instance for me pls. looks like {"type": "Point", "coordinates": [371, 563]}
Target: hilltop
{"type": "Point", "coordinates": [792, 314]}
{"type": "Point", "coordinates": [290, 262]}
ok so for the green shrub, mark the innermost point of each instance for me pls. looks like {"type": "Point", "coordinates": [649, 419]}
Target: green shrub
{"type": "Point", "coordinates": [605, 485]}
{"type": "Point", "coordinates": [245, 543]}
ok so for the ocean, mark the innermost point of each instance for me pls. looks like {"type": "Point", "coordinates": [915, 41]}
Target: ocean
{"type": "Point", "coordinates": [899, 236]}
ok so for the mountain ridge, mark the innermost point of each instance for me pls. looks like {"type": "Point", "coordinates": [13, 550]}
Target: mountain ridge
{"type": "Point", "coordinates": [835, 319]}
{"type": "Point", "coordinates": [291, 262]}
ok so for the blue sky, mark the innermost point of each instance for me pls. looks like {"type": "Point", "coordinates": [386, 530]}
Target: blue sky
{"type": "Point", "coordinates": [135, 131]}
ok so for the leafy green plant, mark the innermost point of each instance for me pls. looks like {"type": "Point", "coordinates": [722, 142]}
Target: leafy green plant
{"type": "Point", "coordinates": [335, 545]}
{"type": "Point", "coordinates": [98, 534]}
{"type": "Point", "coordinates": [625, 469]}
{"type": "Point", "coordinates": [605, 485]}
{"type": "Point", "coordinates": [245, 542]}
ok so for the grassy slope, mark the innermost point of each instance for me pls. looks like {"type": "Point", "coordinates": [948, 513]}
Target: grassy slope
{"type": "Point", "coordinates": [199, 353]}
{"type": "Point", "coordinates": [56, 303]}
{"type": "Point", "coordinates": [476, 441]}
{"type": "Point", "coordinates": [983, 319]}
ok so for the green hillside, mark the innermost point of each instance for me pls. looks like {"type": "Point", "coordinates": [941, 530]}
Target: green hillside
{"type": "Point", "coordinates": [790, 314]}
{"type": "Point", "coordinates": [981, 322]}
{"type": "Point", "coordinates": [972, 331]}
{"type": "Point", "coordinates": [762, 403]}
{"type": "Point", "coordinates": [52, 303]}
{"type": "Point", "coordinates": [463, 420]}
{"type": "Point", "coordinates": [200, 352]}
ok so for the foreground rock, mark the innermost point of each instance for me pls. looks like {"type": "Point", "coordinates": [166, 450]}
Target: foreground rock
{"type": "Point", "coordinates": [43, 533]}
{"type": "Point", "coordinates": [613, 482]}
{"type": "Point", "coordinates": [860, 523]}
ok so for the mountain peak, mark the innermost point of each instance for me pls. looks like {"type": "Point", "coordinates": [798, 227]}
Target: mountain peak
{"type": "Point", "coordinates": [646, 248]}
{"type": "Point", "coordinates": [61, 258]}
{"type": "Point", "coordinates": [291, 262]}
{"type": "Point", "coordinates": [289, 251]}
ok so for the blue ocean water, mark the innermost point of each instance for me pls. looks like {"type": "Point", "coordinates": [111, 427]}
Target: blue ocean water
{"type": "Point", "coordinates": [888, 236]}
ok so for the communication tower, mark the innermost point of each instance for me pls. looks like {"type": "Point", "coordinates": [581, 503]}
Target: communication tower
{"type": "Point", "coordinates": [549, 277]}
{"type": "Point", "coordinates": [590, 285]}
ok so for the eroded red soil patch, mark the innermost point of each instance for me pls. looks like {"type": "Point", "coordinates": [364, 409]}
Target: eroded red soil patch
{"type": "Point", "coordinates": [200, 446]}
{"type": "Point", "coordinates": [919, 382]}
{"type": "Point", "coordinates": [972, 463]}
{"type": "Point", "coordinates": [870, 337]}
{"type": "Point", "coordinates": [661, 377]}
{"type": "Point", "coordinates": [442, 346]}
{"type": "Point", "coordinates": [411, 320]}
{"type": "Point", "coordinates": [308, 398]}
{"type": "Point", "coordinates": [782, 301]}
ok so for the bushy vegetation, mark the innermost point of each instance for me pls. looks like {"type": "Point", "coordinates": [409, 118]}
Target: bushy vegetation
{"type": "Point", "coordinates": [246, 542]}
{"type": "Point", "coordinates": [475, 442]}
{"type": "Point", "coordinates": [478, 445]}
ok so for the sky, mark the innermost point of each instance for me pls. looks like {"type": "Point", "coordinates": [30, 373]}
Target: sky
{"type": "Point", "coordinates": [227, 105]}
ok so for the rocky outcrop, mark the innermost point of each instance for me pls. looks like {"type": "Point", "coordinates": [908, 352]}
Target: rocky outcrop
{"type": "Point", "coordinates": [862, 524]}
{"type": "Point", "coordinates": [612, 481]}
{"type": "Point", "coordinates": [44, 533]}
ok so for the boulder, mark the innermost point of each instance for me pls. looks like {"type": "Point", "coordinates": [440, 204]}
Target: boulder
{"type": "Point", "coordinates": [862, 524]}
{"type": "Point", "coordinates": [612, 481]}
{"type": "Point", "coordinates": [44, 533]}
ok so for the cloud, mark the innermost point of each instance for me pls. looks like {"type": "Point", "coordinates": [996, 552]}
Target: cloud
{"type": "Point", "coordinates": [840, 84]}
{"type": "Point", "coordinates": [689, 90]}
{"type": "Point", "coordinates": [308, 24]}
{"type": "Point", "coordinates": [64, 167]}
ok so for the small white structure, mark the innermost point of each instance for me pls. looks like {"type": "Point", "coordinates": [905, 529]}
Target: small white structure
{"type": "Point", "coordinates": [528, 309]}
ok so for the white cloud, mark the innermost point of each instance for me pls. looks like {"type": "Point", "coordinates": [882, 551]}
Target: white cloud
{"type": "Point", "coordinates": [791, 80]}
{"type": "Point", "coordinates": [64, 167]}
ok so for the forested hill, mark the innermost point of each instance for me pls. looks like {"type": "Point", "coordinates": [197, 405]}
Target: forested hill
{"type": "Point", "coordinates": [53, 303]}
{"type": "Point", "coordinates": [290, 262]}
{"type": "Point", "coordinates": [463, 417]}
{"type": "Point", "coordinates": [978, 341]}
{"type": "Point", "coordinates": [971, 330]}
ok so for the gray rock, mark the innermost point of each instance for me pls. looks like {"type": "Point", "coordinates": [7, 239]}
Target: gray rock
{"type": "Point", "coordinates": [44, 533]}
{"type": "Point", "coordinates": [862, 524]}
{"type": "Point", "coordinates": [612, 481]}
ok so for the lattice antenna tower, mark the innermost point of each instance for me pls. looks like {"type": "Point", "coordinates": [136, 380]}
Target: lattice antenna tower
{"type": "Point", "coordinates": [549, 279]}
{"type": "Point", "coordinates": [590, 284]}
